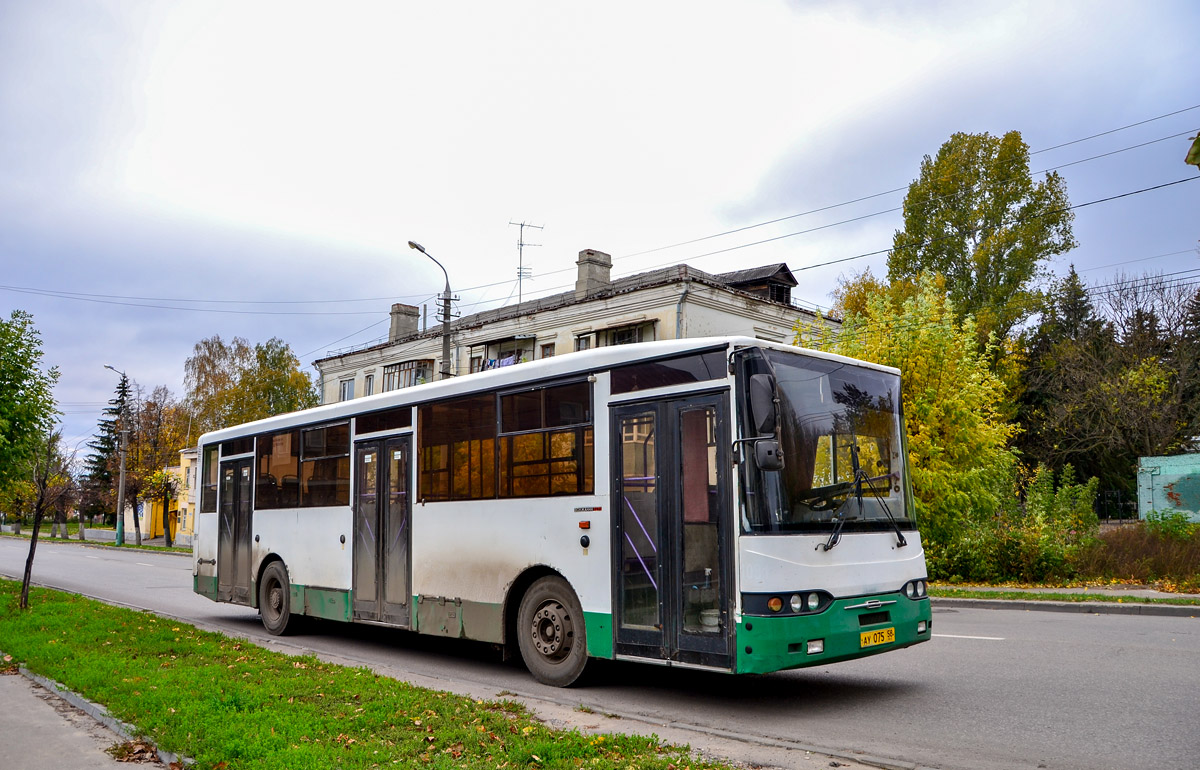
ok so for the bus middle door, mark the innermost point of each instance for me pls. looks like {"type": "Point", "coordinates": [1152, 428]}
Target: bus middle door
{"type": "Point", "coordinates": [671, 552]}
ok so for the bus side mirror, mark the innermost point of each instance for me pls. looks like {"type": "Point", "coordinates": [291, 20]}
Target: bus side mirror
{"type": "Point", "coordinates": [767, 455]}
{"type": "Point", "coordinates": [762, 402]}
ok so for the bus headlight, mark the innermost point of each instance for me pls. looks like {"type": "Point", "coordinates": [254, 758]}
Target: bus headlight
{"type": "Point", "coordinates": [814, 601]}
{"type": "Point", "coordinates": [797, 603]}
{"type": "Point", "coordinates": [910, 589]}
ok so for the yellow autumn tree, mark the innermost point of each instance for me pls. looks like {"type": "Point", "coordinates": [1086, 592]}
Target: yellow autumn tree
{"type": "Point", "coordinates": [957, 437]}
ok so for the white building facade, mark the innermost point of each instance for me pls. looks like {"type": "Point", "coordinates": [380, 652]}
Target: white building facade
{"type": "Point", "coordinates": [670, 303]}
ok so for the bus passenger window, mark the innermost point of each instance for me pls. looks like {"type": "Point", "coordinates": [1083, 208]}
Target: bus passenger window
{"type": "Point", "coordinates": [458, 449]}
{"type": "Point", "coordinates": [208, 484]}
{"type": "Point", "coordinates": [325, 466]}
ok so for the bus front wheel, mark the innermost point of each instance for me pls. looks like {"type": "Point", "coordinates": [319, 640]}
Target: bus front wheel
{"type": "Point", "coordinates": [550, 632]}
{"type": "Point", "coordinates": [274, 600]}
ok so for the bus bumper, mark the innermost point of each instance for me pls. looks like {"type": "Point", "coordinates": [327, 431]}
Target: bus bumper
{"type": "Point", "coordinates": [766, 644]}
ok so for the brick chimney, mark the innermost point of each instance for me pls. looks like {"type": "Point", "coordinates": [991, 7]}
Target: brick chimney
{"type": "Point", "coordinates": [595, 268]}
{"type": "Point", "coordinates": [405, 321]}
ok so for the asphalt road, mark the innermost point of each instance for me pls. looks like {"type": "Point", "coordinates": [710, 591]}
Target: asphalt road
{"type": "Point", "coordinates": [994, 689]}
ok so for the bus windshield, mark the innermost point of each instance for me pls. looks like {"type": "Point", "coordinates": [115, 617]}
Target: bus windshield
{"type": "Point", "coordinates": [839, 430]}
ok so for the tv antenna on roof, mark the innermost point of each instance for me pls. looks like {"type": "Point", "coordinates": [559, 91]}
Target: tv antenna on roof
{"type": "Point", "coordinates": [522, 271]}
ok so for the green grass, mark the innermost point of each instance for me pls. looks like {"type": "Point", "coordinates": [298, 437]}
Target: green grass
{"type": "Point", "coordinates": [129, 542]}
{"type": "Point", "coordinates": [1049, 596]}
{"type": "Point", "coordinates": [229, 704]}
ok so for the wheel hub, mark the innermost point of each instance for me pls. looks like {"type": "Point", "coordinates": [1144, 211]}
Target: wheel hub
{"type": "Point", "coordinates": [551, 631]}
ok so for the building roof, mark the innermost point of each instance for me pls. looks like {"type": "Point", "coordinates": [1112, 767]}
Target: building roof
{"type": "Point", "coordinates": [778, 273]}
{"type": "Point", "coordinates": [667, 275]}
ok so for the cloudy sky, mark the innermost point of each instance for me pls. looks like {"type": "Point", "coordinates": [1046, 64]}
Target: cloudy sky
{"type": "Point", "coordinates": [173, 170]}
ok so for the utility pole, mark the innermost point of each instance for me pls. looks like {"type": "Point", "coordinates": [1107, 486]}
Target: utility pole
{"type": "Point", "coordinates": [446, 297]}
{"type": "Point", "coordinates": [522, 271]}
{"type": "Point", "coordinates": [124, 448]}
{"type": "Point", "coordinates": [121, 486]}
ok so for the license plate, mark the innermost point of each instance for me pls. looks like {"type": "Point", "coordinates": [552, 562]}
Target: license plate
{"type": "Point", "coordinates": [873, 638]}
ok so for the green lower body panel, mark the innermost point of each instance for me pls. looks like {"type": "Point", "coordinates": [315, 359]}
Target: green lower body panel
{"type": "Point", "coordinates": [766, 644]}
{"type": "Point", "coordinates": [441, 616]}
{"type": "Point", "coordinates": [599, 634]}
{"type": "Point", "coordinates": [205, 586]}
{"type": "Point", "coordinates": [327, 603]}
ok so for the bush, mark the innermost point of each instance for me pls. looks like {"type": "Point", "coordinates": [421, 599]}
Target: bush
{"type": "Point", "coordinates": [1031, 542]}
{"type": "Point", "coordinates": [1172, 525]}
{"type": "Point", "coordinates": [1147, 552]}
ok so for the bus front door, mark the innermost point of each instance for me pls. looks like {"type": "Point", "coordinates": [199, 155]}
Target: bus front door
{"type": "Point", "coordinates": [233, 532]}
{"type": "Point", "coordinates": [382, 531]}
{"type": "Point", "coordinates": [671, 540]}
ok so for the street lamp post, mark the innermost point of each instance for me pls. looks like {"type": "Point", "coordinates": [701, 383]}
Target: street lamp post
{"type": "Point", "coordinates": [124, 447]}
{"type": "Point", "coordinates": [445, 311]}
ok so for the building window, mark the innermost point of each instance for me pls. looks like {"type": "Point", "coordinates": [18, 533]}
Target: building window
{"type": "Point", "coordinates": [476, 364]}
{"type": "Point", "coordinates": [346, 390]}
{"type": "Point", "coordinates": [547, 350]}
{"type": "Point", "coordinates": [628, 335]}
{"type": "Point", "coordinates": [368, 384]}
{"type": "Point", "coordinates": [584, 342]}
{"type": "Point", "coordinates": [407, 374]}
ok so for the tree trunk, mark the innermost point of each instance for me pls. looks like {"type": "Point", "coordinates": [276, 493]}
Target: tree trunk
{"type": "Point", "coordinates": [33, 538]}
{"type": "Point", "coordinates": [166, 518]}
{"type": "Point", "coordinates": [137, 524]}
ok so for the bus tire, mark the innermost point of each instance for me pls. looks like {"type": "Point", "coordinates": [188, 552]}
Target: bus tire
{"type": "Point", "coordinates": [275, 599]}
{"type": "Point", "coordinates": [551, 633]}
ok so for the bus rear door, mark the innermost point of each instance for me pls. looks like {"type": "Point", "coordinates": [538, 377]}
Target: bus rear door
{"type": "Point", "coordinates": [382, 531]}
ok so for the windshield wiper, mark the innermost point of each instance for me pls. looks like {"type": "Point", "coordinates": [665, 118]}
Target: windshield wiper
{"type": "Point", "coordinates": [900, 541]}
{"type": "Point", "coordinates": [860, 476]}
{"type": "Point", "coordinates": [835, 536]}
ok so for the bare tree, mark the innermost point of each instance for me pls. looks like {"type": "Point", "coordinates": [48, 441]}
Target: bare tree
{"type": "Point", "coordinates": [51, 487]}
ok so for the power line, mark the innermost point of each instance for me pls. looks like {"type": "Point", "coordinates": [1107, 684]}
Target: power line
{"type": "Point", "coordinates": [854, 219]}
{"type": "Point", "coordinates": [976, 230]}
{"type": "Point", "coordinates": [905, 187]}
{"type": "Point", "coordinates": [66, 295]}
{"type": "Point", "coordinates": [1140, 259]}
{"type": "Point", "coordinates": [1188, 279]}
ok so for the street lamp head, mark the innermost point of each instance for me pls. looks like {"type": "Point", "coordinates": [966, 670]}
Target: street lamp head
{"type": "Point", "coordinates": [417, 246]}
{"type": "Point", "coordinates": [115, 369]}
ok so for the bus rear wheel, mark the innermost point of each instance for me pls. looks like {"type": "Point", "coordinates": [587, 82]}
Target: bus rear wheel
{"type": "Point", "coordinates": [550, 632]}
{"type": "Point", "coordinates": [275, 599]}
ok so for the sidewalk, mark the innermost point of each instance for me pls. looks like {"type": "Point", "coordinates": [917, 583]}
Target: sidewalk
{"type": "Point", "coordinates": [1128, 603]}
{"type": "Point", "coordinates": [41, 730]}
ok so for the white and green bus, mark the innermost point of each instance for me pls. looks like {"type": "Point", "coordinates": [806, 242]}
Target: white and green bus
{"type": "Point", "coordinates": [722, 503]}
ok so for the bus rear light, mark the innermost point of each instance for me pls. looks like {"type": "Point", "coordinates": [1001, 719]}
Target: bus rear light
{"type": "Point", "coordinates": [816, 646]}
{"type": "Point", "coordinates": [775, 604]}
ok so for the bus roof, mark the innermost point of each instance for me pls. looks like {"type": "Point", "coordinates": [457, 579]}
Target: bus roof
{"type": "Point", "coordinates": [576, 363]}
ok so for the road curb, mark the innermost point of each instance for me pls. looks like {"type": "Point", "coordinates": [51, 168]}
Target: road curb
{"type": "Point", "coordinates": [101, 715]}
{"type": "Point", "coordinates": [1093, 608]}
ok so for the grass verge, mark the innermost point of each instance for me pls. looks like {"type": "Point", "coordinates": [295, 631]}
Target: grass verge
{"type": "Point", "coordinates": [45, 538]}
{"type": "Point", "coordinates": [1050, 596]}
{"type": "Point", "coordinates": [229, 704]}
